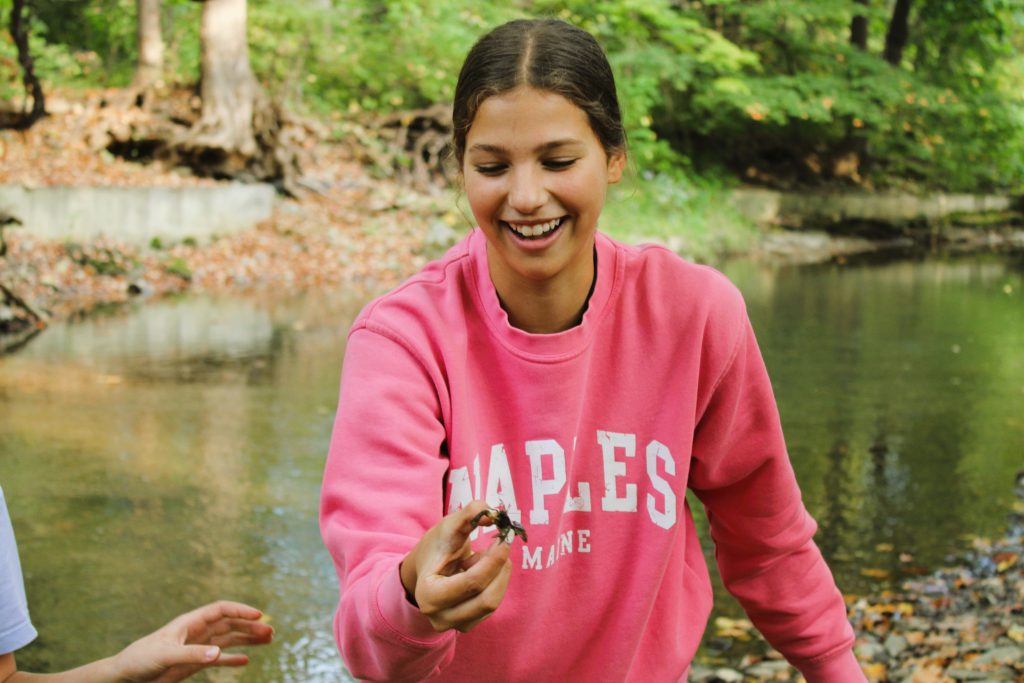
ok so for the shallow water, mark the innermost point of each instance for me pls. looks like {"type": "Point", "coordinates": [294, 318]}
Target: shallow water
{"type": "Point", "coordinates": [160, 456]}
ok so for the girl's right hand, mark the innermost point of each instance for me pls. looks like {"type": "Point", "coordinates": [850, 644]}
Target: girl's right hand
{"type": "Point", "coordinates": [454, 587]}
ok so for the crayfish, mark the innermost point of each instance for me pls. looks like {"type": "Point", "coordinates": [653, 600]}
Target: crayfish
{"type": "Point", "coordinates": [507, 527]}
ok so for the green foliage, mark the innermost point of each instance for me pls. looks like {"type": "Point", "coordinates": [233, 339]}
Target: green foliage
{"type": "Point", "coordinates": [704, 86]}
{"type": "Point", "coordinates": [692, 217]}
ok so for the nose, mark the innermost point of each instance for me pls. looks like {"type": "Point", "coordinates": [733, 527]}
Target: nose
{"type": "Point", "coordinates": [526, 192]}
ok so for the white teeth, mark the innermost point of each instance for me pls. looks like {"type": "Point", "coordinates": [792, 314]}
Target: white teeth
{"type": "Point", "coordinates": [535, 230]}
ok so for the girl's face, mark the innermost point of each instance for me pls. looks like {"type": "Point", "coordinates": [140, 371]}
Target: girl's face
{"type": "Point", "coordinates": [536, 175]}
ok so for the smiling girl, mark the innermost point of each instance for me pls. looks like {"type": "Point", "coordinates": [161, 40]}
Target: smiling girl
{"type": "Point", "coordinates": [580, 385]}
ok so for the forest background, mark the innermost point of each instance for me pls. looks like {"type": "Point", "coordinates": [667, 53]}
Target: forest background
{"type": "Point", "coordinates": [919, 95]}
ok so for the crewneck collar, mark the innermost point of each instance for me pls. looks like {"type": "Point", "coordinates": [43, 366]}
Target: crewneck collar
{"type": "Point", "coordinates": [544, 347]}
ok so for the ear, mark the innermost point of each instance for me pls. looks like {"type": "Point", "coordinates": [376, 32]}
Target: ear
{"type": "Point", "coordinates": [616, 164]}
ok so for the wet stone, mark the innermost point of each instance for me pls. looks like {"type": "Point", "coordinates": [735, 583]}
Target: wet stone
{"type": "Point", "coordinates": [895, 645]}
{"type": "Point", "coordinates": [1009, 654]}
{"type": "Point", "coordinates": [767, 670]}
{"type": "Point", "coordinates": [724, 675]}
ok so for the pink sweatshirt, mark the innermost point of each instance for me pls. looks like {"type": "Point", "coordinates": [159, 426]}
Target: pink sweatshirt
{"type": "Point", "coordinates": [590, 437]}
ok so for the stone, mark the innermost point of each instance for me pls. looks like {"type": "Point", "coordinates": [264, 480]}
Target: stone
{"type": "Point", "coordinates": [1008, 654]}
{"type": "Point", "coordinates": [895, 645]}
{"type": "Point", "coordinates": [728, 676]}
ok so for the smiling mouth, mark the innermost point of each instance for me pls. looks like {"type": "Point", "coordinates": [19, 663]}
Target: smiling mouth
{"type": "Point", "coordinates": [536, 230]}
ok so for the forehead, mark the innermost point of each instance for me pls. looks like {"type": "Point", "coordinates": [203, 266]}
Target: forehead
{"type": "Point", "coordinates": [527, 118]}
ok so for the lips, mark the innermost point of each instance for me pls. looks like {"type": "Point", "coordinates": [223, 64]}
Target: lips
{"type": "Point", "coordinates": [534, 230]}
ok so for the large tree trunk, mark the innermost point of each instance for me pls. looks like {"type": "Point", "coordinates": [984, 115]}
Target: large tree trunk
{"type": "Point", "coordinates": [240, 132]}
{"type": "Point", "coordinates": [899, 32]}
{"type": "Point", "coordinates": [229, 89]}
{"type": "Point", "coordinates": [151, 46]}
{"type": "Point", "coordinates": [19, 32]}
{"type": "Point", "coordinates": [859, 28]}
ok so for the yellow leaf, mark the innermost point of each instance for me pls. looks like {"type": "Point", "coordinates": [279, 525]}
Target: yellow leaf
{"type": "Point", "coordinates": [875, 672]}
{"type": "Point", "coordinates": [879, 574]}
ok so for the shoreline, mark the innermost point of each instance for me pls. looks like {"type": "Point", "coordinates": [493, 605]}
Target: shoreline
{"type": "Point", "coordinates": [367, 236]}
{"type": "Point", "coordinates": [962, 622]}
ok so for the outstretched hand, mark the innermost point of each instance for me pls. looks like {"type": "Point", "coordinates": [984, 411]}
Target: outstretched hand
{"type": "Point", "coordinates": [191, 642]}
{"type": "Point", "coordinates": [454, 587]}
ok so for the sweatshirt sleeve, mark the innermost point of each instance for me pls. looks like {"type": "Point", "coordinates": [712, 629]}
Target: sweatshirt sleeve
{"type": "Point", "coordinates": [762, 532]}
{"type": "Point", "coordinates": [381, 491]}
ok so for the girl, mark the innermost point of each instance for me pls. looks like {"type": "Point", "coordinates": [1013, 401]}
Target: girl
{"type": "Point", "coordinates": [581, 386]}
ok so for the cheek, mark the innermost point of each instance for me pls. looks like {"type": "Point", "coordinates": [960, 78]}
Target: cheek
{"type": "Point", "coordinates": [481, 195]}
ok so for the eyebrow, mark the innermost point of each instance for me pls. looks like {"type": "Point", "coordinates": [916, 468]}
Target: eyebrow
{"type": "Point", "coordinates": [546, 147]}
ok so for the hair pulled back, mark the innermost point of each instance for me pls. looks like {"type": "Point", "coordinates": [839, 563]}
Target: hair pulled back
{"type": "Point", "coordinates": [546, 54]}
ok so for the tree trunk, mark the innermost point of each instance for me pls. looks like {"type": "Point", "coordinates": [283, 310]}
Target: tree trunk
{"type": "Point", "coordinates": [19, 32]}
{"type": "Point", "coordinates": [240, 133]}
{"type": "Point", "coordinates": [229, 89]}
{"type": "Point", "coordinates": [151, 46]}
{"type": "Point", "coordinates": [899, 32]}
{"type": "Point", "coordinates": [859, 28]}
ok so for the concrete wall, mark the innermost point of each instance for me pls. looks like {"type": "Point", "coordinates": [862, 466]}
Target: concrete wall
{"type": "Point", "coordinates": [791, 209]}
{"type": "Point", "coordinates": [137, 214]}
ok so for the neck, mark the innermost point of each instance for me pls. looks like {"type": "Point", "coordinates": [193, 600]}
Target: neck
{"type": "Point", "coordinates": [549, 306]}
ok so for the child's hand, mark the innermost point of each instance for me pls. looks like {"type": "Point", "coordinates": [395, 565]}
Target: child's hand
{"type": "Point", "coordinates": [192, 642]}
{"type": "Point", "coordinates": [454, 587]}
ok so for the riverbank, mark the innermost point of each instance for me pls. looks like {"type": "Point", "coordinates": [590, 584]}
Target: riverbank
{"type": "Point", "coordinates": [963, 622]}
{"type": "Point", "coordinates": [356, 232]}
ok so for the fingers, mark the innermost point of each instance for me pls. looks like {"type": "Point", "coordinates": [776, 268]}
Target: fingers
{"type": "Point", "coordinates": [463, 599]}
{"type": "Point", "coordinates": [462, 523]}
{"type": "Point", "coordinates": [480, 604]}
{"type": "Point", "coordinates": [222, 609]}
{"type": "Point", "coordinates": [212, 623]}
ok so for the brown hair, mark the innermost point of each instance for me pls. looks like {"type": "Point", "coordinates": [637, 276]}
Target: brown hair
{"type": "Point", "coordinates": [547, 54]}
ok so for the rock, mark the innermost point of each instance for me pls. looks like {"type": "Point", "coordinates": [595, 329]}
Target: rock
{"type": "Point", "coordinates": [140, 288]}
{"type": "Point", "coordinates": [966, 674]}
{"type": "Point", "coordinates": [871, 652]}
{"type": "Point", "coordinates": [700, 674]}
{"type": "Point", "coordinates": [895, 645]}
{"type": "Point", "coordinates": [1009, 654]}
{"type": "Point", "coordinates": [728, 676]}
{"type": "Point", "coordinates": [767, 670]}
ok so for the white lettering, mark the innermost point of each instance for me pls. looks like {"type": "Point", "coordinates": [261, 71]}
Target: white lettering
{"type": "Point", "coordinates": [583, 535]}
{"type": "Point", "coordinates": [613, 469]}
{"type": "Point", "coordinates": [531, 561]}
{"type": "Point", "coordinates": [552, 556]}
{"type": "Point", "coordinates": [460, 492]}
{"type": "Point", "coordinates": [500, 490]}
{"type": "Point", "coordinates": [545, 487]}
{"type": "Point", "coordinates": [565, 543]}
{"type": "Point", "coordinates": [580, 503]}
{"type": "Point", "coordinates": [658, 451]}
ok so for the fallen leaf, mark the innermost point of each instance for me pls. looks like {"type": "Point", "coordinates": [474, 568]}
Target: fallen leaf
{"type": "Point", "coordinates": [879, 574]}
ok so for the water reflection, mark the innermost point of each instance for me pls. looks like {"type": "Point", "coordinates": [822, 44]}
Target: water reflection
{"type": "Point", "coordinates": [159, 457]}
{"type": "Point", "coordinates": [899, 386]}
{"type": "Point", "coordinates": [169, 455]}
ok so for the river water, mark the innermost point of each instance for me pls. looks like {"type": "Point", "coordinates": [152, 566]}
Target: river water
{"type": "Point", "coordinates": [159, 456]}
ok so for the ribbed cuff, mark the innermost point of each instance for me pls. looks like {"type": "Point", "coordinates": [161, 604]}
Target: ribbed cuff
{"type": "Point", "coordinates": [401, 616]}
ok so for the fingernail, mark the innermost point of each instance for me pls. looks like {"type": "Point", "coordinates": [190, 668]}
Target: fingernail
{"type": "Point", "coordinates": [212, 654]}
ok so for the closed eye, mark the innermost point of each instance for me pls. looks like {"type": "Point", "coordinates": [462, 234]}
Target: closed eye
{"type": "Point", "coordinates": [559, 164]}
{"type": "Point", "coordinates": [490, 169]}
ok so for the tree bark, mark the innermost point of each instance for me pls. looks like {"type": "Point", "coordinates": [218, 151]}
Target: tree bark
{"type": "Point", "coordinates": [898, 33]}
{"type": "Point", "coordinates": [19, 32]}
{"type": "Point", "coordinates": [151, 46]}
{"type": "Point", "coordinates": [240, 132]}
{"type": "Point", "coordinates": [229, 89]}
{"type": "Point", "coordinates": [859, 28]}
